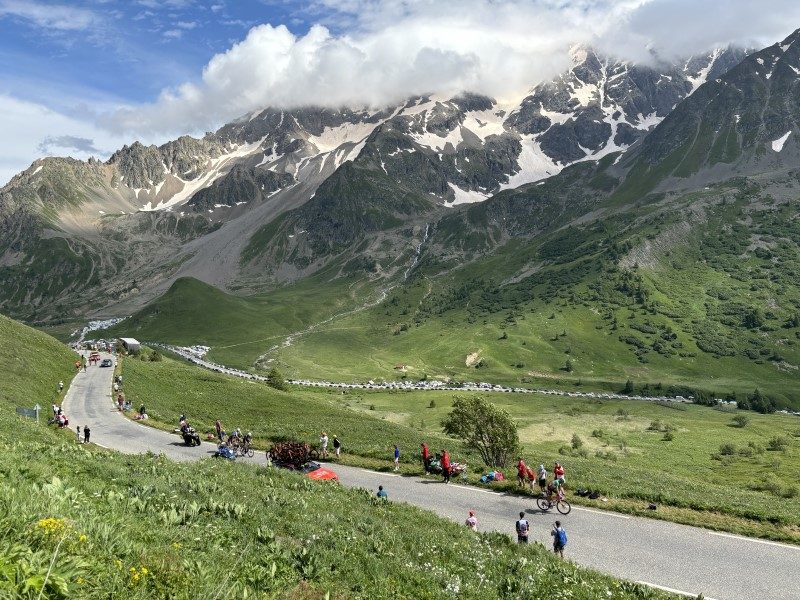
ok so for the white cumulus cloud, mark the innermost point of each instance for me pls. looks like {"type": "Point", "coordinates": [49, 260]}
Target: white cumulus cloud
{"type": "Point", "coordinates": [391, 49]}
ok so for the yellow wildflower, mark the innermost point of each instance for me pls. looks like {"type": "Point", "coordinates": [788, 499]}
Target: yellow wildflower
{"type": "Point", "coordinates": [51, 526]}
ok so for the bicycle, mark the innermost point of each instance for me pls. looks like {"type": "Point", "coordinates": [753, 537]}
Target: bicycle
{"type": "Point", "coordinates": [244, 449]}
{"type": "Point", "coordinates": [546, 504]}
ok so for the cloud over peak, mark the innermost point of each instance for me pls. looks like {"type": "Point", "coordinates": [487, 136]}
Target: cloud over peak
{"type": "Point", "coordinates": [377, 52]}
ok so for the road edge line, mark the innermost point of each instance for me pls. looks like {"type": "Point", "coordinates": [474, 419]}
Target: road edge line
{"type": "Point", "coordinates": [674, 591]}
{"type": "Point", "coordinates": [755, 540]}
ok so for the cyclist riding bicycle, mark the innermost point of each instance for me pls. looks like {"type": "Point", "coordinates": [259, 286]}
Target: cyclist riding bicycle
{"type": "Point", "coordinates": [555, 491]}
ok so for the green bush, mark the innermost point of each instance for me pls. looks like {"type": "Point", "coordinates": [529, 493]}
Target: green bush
{"type": "Point", "coordinates": [778, 444]}
{"type": "Point", "coordinates": [727, 449]}
{"type": "Point", "coordinates": [741, 420]}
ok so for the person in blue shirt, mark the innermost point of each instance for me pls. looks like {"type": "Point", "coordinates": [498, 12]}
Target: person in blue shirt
{"type": "Point", "coordinates": [396, 457]}
{"type": "Point", "coordinates": [382, 493]}
{"type": "Point", "coordinates": [559, 539]}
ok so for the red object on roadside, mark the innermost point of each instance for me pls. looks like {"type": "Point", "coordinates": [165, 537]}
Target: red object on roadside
{"type": "Point", "coordinates": [322, 474]}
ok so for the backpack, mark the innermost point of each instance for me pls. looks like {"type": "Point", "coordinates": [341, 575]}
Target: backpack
{"type": "Point", "coordinates": [561, 537]}
{"type": "Point", "coordinates": [522, 528]}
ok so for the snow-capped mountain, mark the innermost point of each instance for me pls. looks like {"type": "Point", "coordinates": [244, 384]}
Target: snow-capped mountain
{"type": "Point", "coordinates": [191, 206]}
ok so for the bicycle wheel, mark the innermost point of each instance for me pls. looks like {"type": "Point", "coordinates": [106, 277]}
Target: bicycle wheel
{"type": "Point", "coordinates": [563, 507]}
{"type": "Point", "coordinates": [543, 504]}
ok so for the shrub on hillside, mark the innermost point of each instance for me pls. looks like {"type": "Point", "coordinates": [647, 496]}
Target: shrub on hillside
{"type": "Point", "coordinates": [275, 379]}
{"type": "Point", "coordinates": [778, 444]}
{"type": "Point", "coordinates": [741, 421]}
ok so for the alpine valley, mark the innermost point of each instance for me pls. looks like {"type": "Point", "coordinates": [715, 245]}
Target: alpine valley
{"type": "Point", "coordinates": [621, 223]}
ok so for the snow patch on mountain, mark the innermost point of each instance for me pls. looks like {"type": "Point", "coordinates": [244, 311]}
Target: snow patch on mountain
{"type": "Point", "coordinates": [485, 123]}
{"type": "Point", "coordinates": [777, 145]}
{"type": "Point", "coordinates": [347, 133]}
{"type": "Point", "coordinates": [465, 196]}
{"type": "Point", "coordinates": [437, 142]}
{"type": "Point", "coordinates": [533, 164]}
{"type": "Point", "coordinates": [216, 169]}
{"type": "Point", "coordinates": [702, 76]}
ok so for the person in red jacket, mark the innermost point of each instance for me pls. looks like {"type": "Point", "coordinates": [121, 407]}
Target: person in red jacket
{"type": "Point", "coordinates": [522, 470]}
{"type": "Point", "coordinates": [446, 466]}
{"type": "Point", "coordinates": [426, 454]}
{"type": "Point", "coordinates": [531, 476]}
{"type": "Point", "coordinates": [558, 472]}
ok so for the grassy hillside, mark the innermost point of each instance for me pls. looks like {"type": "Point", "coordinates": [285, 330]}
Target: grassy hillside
{"type": "Point", "coordinates": [79, 522]}
{"type": "Point", "coordinates": [170, 388]}
{"type": "Point", "coordinates": [694, 461]}
{"type": "Point", "coordinates": [32, 364]}
{"type": "Point", "coordinates": [710, 304]}
{"type": "Point", "coordinates": [240, 328]}
{"type": "Point", "coordinates": [142, 527]}
{"type": "Point", "coordinates": [697, 291]}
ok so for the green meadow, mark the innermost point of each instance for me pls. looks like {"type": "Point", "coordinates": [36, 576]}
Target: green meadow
{"type": "Point", "coordinates": [81, 522]}
{"type": "Point", "coordinates": [697, 463]}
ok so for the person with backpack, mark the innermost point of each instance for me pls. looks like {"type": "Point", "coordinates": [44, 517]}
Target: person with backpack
{"type": "Point", "coordinates": [523, 529]}
{"type": "Point", "coordinates": [559, 539]}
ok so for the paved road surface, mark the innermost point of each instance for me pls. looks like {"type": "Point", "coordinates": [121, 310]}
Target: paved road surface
{"type": "Point", "coordinates": [674, 557]}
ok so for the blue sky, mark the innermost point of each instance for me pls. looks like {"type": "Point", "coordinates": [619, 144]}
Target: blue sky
{"type": "Point", "coordinates": [124, 50]}
{"type": "Point", "coordinates": [83, 77]}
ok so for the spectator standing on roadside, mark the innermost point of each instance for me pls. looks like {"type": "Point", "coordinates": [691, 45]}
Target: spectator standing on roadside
{"type": "Point", "coordinates": [523, 529]}
{"type": "Point", "coordinates": [426, 455]}
{"type": "Point", "coordinates": [558, 473]}
{"type": "Point", "coordinates": [60, 386]}
{"type": "Point", "coordinates": [446, 466]}
{"type": "Point", "coordinates": [86, 433]}
{"type": "Point", "coordinates": [559, 539]}
{"type": "Point", "coordinates": [382, 493]}
{"type": "Point", "coordinates": [323, 445]}
{"type": "Point", "coordinates": [521, 470]}
{"type": "Point", "coordinates": [218, 427]}
{"type": "Point", "coordinates": [472, 521]}
{"type": "Point", "coordinates": [79, 433]}
{"type": "Point", "coordinates": [337, 446]}
{"type": "Point", "coordinates": [396, 457]}
{"type": "Point", "coordinates": [542, 474]}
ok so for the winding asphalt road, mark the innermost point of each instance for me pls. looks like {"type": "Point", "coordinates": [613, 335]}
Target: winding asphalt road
{"type": "Point", "coordinates": [677, 558]}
